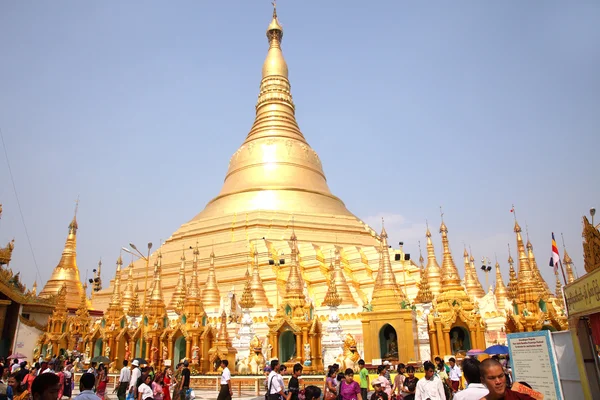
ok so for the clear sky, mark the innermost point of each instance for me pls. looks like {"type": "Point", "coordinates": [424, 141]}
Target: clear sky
{"type": "Point", "coordinates": [137, 106]}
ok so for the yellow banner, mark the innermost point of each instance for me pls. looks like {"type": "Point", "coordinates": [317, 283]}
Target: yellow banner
{"type": "Point", "coordinates": [583, 295]}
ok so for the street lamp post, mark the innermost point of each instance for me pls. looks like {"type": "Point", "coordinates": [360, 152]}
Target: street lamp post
{"type": "Point", "coordinates": [486, 268]}
{"type": "Point", "coordinates": [147, 259]}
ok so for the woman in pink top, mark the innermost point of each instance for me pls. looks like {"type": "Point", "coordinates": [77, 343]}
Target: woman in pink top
{"type": "Point", "coordinates": [349, 388]}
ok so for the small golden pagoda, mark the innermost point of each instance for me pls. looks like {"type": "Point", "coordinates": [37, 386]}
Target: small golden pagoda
{"type": "Point", "coordinates": [66, 272]}
{"type": "Point", "coordinates": [560, 301]}
{"type": "Point", "coordinates": [114, 319]}
{"type": "Point", "coordinates": [156, 315]}
{"type": "Point", "coordinates": [210, 294]}
{"type": "Point", "coordinates": [500, 291]}
{"type": "Point", "coordinates": [258, 290]}
{"type": "Point", "coordinates": [342, 288]}
{"type": "Point", "coordinates": [128, 293]}
{"type": "Point", "coordinates": [433, 271]}
{"type": "Point", "coordinates": [180, 292]}
{"type": "Point", "coordinates": [222, 349]}
{"type": "Point", "coordinates": [424, 295]}
{"type": "Point", "coordinates": [391, 319]}
{"type": "Point", "coordinates": [455, 325]}
{"type": "Point", "coordinates": [512, 279]}
{"type": "Point", "coordinates": [471, 281]}
{"type": "Point", "coordinates": [543, 285]}
{"type": "Point", "coordinates": [568, 263]}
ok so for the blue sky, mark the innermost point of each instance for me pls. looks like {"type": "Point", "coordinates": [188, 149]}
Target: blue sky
{"type": "Point", "coordinates": [137, 106]}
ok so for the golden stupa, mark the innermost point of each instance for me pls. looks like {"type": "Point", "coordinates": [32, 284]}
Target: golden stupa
{"type": "Point", "coordinates": [275, 180]}
{"type": "Point", "coordinates": [66, 272]}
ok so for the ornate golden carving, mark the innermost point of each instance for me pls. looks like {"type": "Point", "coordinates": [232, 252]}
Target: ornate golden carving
{"type": "Point", "coordinates": [6, 253]}
{"type": "Point", "coordinates": [591, 246]}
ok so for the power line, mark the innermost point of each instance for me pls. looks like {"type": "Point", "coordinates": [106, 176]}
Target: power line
{"type": "Point", "coordinates": [12, 179]}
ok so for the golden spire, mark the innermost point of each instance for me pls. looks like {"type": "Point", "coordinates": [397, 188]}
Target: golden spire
{"type": "Point", "coordinates": [223, 336]}
{"type": "Point", "coordinates": [82, 311]}
{"type": "Point", "coordinates": [471, 282]}
{"type": "Point", "coordinates": [386, 295]}
{"type": "Point", "coordinates": [258, 290]}
{"type": "Point", "coordinates": [134, 309]}
{"type": "Point", "coordinates": [512, 278]}
{"type": "Point", "coordinates": [434, 276]}
{"type": "Point", "coordinates": [500, 290]}
{"type": "Point", "coordinates": [332, 299]}
{"type": "Point", "coordinates": [450, 277]}
{"type": "Point", "coordinates": [475, 276]}
{"type": "Point", "coordinates": [527, 290]}
{"type": "Point", "coordinates": [127, 296]}
{"type": "Point", "coordinates": [424, 295]}
{"type": "Point", "coordinates": [180, 292]}
{"type": "Point", "coordinates": [34, 289]}
{"type": "Point", "coordinates": [247, 300]}
{"type": "Point", "coordinates": [210, 295]}
{"type": "Point", "coordinates": [341, 285]}
{"type": "Point", "coordinates": [294, 286]}
{"type": "Point", "coordinates": [116, 295]}
{"type": "Point", "coordinates": [156, 290]}
{"type": "Point", "coordinates": [537, 276]}
{"type": "Point", "coordinates": [66, 272]}
{"type": "Point", "coordinates": [275, 155]}
{"type": "Point", "coordinates": [193, 305]}
{"type": "Point", "coordinates": [559, 292]}
{"type": "Point", "coordinates": [568, 262]}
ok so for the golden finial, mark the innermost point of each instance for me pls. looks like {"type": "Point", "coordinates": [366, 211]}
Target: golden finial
{"type": "Point", "coordinates": [341, 285]}
{"type": "Point", "coordinates": [258, 290]}
{"type": "Point", "coordinates": [116, 295]}
{"type": "Point", "coordinates": [247, 300]}
{"type": "Point", "coordinates": [127, 296]}
{"type": "Point", "coordinates": [294, 285]}
{"type": "Point", "coordinates": [180, 293]}
{"type": "Point", "coordinates": [421, 259]}
{"type": "Point", "coordinates": [568, 262]}
{"type": "Point", "coordinates": [386, 294]}
{"type": "Point", "coordinates": [433, 270]}
{"type": "Point", "coordinates": [211, 297]}
{"type": "Point", "coordinates": [34, 288]}
{"type": "Point", "coordinates": [450, 276]}
{"type": "Point", "coordinates": [135, 309]}
{"type": "Point", "coordinates": [500, 290]}
{"type": "Point", "coordinates": [332, 299]}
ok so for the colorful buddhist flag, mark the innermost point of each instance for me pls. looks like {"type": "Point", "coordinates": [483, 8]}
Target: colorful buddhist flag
{"type": "Point", "coordinates": [555, 259]}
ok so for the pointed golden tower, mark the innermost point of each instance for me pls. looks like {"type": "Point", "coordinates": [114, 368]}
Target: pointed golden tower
{"type": "Point", "coordinates": [568, 263]}
{"type": "Point", "coordinates": [386, 294]}
{"type": "Point", "coordinates": [424, 295]}
{"type": "Point", "coordinates": [114, 313]}
{"type": "Point", "coordinates": [433, 271]}
{"type": "Point", "coordinates": [471, 282]}
{"type": "Point", "coordinates": [210, 295]}
{"type": "Point", "coordinates": [475, 276]}
{"type": "Point", "coordinates": [559, 292]}
{"type": "Point", "coordinates": [528, 292]}
{"type": "Point", "coordinates": [180, 292]}
{"type": "Point", "coordinates": [450, 276]}
{"type": "Point", "coordinates": [332, 299]}
{"type": "Point", "coordinates": [34, 289]}
{"type": "Point", "coordinates": [342, 288]}
{"type": "Point", "coordinates": [512, 278]}
{"type": "Point", "coordinates": [156, 309]}
{"type": "Point", "coordinates": [222, 348]}
{"type": "Point", "coordinates": [294, 286]}
{"type": "Point", "coordinates": [135, 309]}
{"type": "Point", "coordinates": [537, 276]}
{"type": "Point", "coordinates": [127, 295]}
{"type": "Point", "coordinates": [258, 289]}
{"type": "Point", "coordinates": [193, 305]}
{"type": "Point", "coordinates": [66, 272]}
{"type": "Point", "coordinates": [500, 291]}
{"type": "Point", "coordinates": [247, 301]}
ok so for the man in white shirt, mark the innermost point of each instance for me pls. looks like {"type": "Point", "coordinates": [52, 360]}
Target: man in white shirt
{"type": "Point", "coordinates": [135, 375]}
{"type": "Point", "coordinates": [15, 366]}
{"type": "Point", "coordinates": [50, 369]}
{"type": "Point", "coordinates": [475, 389]}
{"type": "Point", "coordinates": [454, 375]}
{"type": "Point", "coordinates": [124, 379]}
{"type": "Point", "coordinates": [226, 389]}
{"type": "Point", "coordinates": [86, 384]}
{"type": "Point", "coordinates": [274, 386]}
{"type": "Point", "coordinates": [430, 386]}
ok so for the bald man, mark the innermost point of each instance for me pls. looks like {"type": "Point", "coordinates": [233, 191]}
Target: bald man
{"type": "Point", "coordinates": [494, 378]}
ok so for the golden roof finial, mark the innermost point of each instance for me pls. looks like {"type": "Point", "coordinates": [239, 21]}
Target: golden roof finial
{"type": "Point", "coordinates": [223, 336]}
{"type": "Point", "coordinates": [500, 290]}
{"type": "Point", "coordinates": [528, 292]}
{"type": "Point", "coordinates": [450, 276]}
{"type": "Point", "coordinates": [127, 296]}
{"type": "Point", "coordinates": [474, 273]}
{"type": "Point", "coordinates": [472, 284]}
{"type": "Point", "coordinates": [568, 262]}
{"type": "Point", "coordinates": [332, 299]}
{"type": "Point", "coordinates": [341, 284]}
{"type": "Point", "coordinates": [247, 300]}
{"type": "Point", "coordinates": [116, 295]}
{"type": "Point", "coordinates": [386, 294]}
{"type": "Point", "coordinates": [211, 297]}
{"type": "Point", "coordinates": [258, 289]}
{"type": "Point", "coordinates": [512, 277]}
{"type": "Point", "coordinates": [180, 292]}
{"type": "Point", "coordinates": [559, 292]}
{"type": "Point", "coordinates": [66, 272]}
{"type": "Point", "coordinates": [421, 259]}
{"type": "Point", "coordinates": [433, 271]}
{"type": "Point", "coordinates": [194, 289]}
{"type": "Point", "coordinates": [156, 292]}
{"type": "Point", "coordinates": [424, 295]}
{"type": "Point", "coordinates": [295, 284]}
{"type": "Point", "coordinates": [135, 309]}
{"type": "Point", "coordinates": [34, 288]}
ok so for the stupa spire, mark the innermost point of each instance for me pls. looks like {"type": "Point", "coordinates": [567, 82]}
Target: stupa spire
{"type": "Point", "coordinates": [433, 271]}
{"type": "Point", "coordinates": [424, 295]}
{"type": "Point", "coordinates": [180, 292]}
{"type": "Point", "coordinates": [295, 284]}
{"type": "Point", "coordinates": [135, 309]}
{"type": "Point", "coordinates": [568, 263]}
{"type": "Point", "coordinates": [127, 296]}
{"type": "Point", "coordinates": [258, 289]}
{"type": "Point", "coordinates": [527, 290]}
{"type": "Point", "coordinates": [450, 276]}
{"type": "Point", "coordinates": [512, 277]}
{"type": "Point", "coordinates": [247, 300]}
{"type": "Point", "coordinates": [341, 285]}
{"type": "Point", "coordinates": [116, 295]}
{"type": "Point", "coordinates": [193, 304]}
{"type": "Point", "coordinates": [537, 276]}
{"type": "Point", "coordinates": [500, 290]}
{"type": "Point", "coordinates": [332, 299]}
{"type": "Point", "coordinates": [66, 272]}
{"type": "Point", "coordinates": [34, 289]}
{"type": "Point", "coordinates": [474, 273]}
{"type": "Point", "coordinates": [156, 290]}
{"type": "Point", "coordinates": [471, 282]}
{"type": "Point", "coordinates": [211, 297]}
{"type": "Point", "coordinates": [559, 292]}
{"type": "Point", "coordinates": [386, 294]}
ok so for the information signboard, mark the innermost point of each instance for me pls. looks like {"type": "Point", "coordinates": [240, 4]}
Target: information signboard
{"type": "Point", "coordinates": [533, 361]}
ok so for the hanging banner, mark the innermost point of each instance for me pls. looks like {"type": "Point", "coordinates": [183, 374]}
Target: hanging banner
{"type": "Point", "coordinates": [533, 360]}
